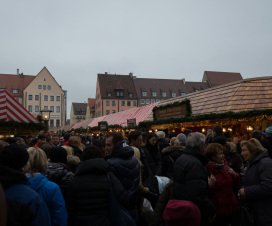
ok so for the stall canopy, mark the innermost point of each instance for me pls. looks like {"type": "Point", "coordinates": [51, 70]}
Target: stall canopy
{"type": "Point", "coordinates": [12, 110]}
{"type": "Point", "coordinates": [120, 118]}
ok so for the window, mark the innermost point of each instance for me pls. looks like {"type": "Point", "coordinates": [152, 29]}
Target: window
{"type": "Point", "coordinates": [37, 108]}
{"type": "Point", "coordinates": [107, 103]}
{"type": "Point", "coordinates": [134, 103]}
{"type": "Point", "coordinates": [113, 111]}
{"type": "Point", "coordinates": [39, 86]}
{"type": "Point", "coordinates": [37, 97]}
{"type": "Point", "coordinates": [173, 94]}
{"type": "Point", "coordinates": [154, 94]}
{"type": "Point", "coordinates": [142, 101]}
{"type": "Point", "coordinates": [196, 90]}
{"type": "Point", "coordinates": [44, 79]}
{"type": "Point", "coordinates": [45, 107]}
{"type": "Point", "coordinates": [58, 109]}
{"type": "Point", "coordinates": [18, 99]}
{"type": "Point", "coordinates": [30, 97]}
{"type": "Point", "coordinates": [122, 103]}
{"type": "Point", "coordinates": [152, 101]}
{"type": "Point", "coordinates": [144, 93]}
{"type": "Point", "coordinates": [130, 95]}
{"type": "Point", "coordinates": [109, 94]}
{"type": "Point", "coordinates": [49, 87]}
{"type": "Point", "coordinates": [119, 93]}
{"type": "Point", "coordinates": [57, 98]}
{"type": "Point", "coordinates": [2, 89]}
{"type": "Point", "coordinates": [107, 112]}
{"type": "Point", "coordinates": [113, 103]}
{"type": "Point", "coordinates": [164, 94]}
{"type": "Point", "coordinates": [147, 101]}
{"type": "Point", "coordinates": [128, 103]}
{"type": "Point", "coordinates": [182, 93]}
{"type": "Point", "coordinates": [52, 108]}
{"type": "Point", "coordinates": [52, 98]}
{"type": "Point", "coordinates": [44, 87]}
{"type": "Point", "coordinates": [51, 122]}
{"type": "Point", "coordinates": [45, 97]}
{"type": "Point", "coordinates": [15, 90]}
{"type": "Point", "coordinates": [30, 108]}
{"type": "Point", "coordinates": [157, 100]}
{"type": "Point", "coordinates": [57, 122]}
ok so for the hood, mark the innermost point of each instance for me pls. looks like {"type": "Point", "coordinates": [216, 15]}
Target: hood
{"type": "Point", "coordinates": [37, 182]}
{"type": "Point", "coordinates": [123, 150]}
{"type": "Point", "coordinates": [172, 148]}
{"type": "Point", "coordinates": [96, 165]}
{"type": "Point", "coordinates": [9, 177]}
{"type": "Point", "coordinates": [259, 157]}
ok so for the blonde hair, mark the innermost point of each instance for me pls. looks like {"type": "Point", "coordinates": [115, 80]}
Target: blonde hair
{"type": "Point", "coordinates": [137, 154]}
{"type": "Point", "coordinates": [69, 150]}
{"type": "Point", "coordinates": [253, 145]}
{"type": "Point", "coordinates": [38, 160]}
{"type": "Point", "coordinates": [174, 141]}
{"type": "Point", "coordinates": [74, 141]}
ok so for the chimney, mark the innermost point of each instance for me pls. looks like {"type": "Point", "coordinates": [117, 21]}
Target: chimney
{"type": "Point", "coordinates": [106, 73]}
{"type": "Point", "coordinates": [17, 71]}
{"type": "Point", "coordinates": [183, 80]}
{"type": "Point", "coordinates": [131, 75]}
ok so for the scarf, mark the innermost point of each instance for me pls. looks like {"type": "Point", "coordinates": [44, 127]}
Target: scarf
{"type": "Point", "coordinates": [217, 165]}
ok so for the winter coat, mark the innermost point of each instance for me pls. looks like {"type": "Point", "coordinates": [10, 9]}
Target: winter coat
{"type": "Point", "coordinates": [169, 156]}
{"type": "Point", "coordinates": [127, 169]}
{"type": "Point", "coordinates": [162, 143]}
{"type": "Point", "coordinates": [221, 193]}
{"type": "Point", "coordinates": [24, 205]}
{"type": "Point", "coordinates": [57, 173]}
{"type": "Point", "coordinates": [191, 181]}
{"type": "Point", "coordinates": [52, 196]}
{"type": "Point", "coordinates": [258, 188]}
{"type": "Point", "coordinates": [154, 159]}
{"type": "Point", "coordinates": [77, 151]}
{"type": "Point", "coordinates": [89, 199]}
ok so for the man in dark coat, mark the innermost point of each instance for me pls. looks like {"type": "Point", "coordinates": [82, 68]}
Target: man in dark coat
{"type": "Point", "coordinates": [24, 205]}
{"type": "Point", "coordinates": [191, 179]}
{"type": "Point", "coordinates": [125, 167]}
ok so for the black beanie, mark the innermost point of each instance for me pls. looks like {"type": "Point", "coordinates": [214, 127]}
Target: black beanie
{"type": "Point", "coordinates": [58, 155]}
{"type": "Point", "coordinates": [14, 156]}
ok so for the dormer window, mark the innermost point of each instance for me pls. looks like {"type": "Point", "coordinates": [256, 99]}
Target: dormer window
{"type": "Point", "coordinates": [182, 93]}
{"type": "Point", "coordinates": [15, 91]}
{"type": "Point", "coordinates": [164, 94]}
{"type": "Point", "coordinates": [119, 93]}
{"type": "Point", "coordinates": [173, 94]}
{"type": "Point", "coordinates": [109, 94]}
{"type": "Point", "coordinates": [144, 93]}
{"type": "Point", "coordinates": [130, 95]}
{"type": "Point", "coordinates": [154, 93]}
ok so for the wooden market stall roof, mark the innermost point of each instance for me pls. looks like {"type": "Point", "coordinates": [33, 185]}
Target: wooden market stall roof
{"type": "Point", "coordinates": [243, 95]}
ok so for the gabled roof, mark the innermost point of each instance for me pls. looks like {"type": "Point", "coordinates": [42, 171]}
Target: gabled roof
{"type": "Point", "coordinates": [159, 85]}
{"type": "Point", "coordinates": [79, 108]}
{"type": "Point", "coordinates": [11, 81]}
{"type": "Point", "coordinates": [193, 86]}
{"type": "Point", "coordinates": [216, 78]}
{"type": "Point", "coordinates": [244, 95]}
{"type": "Point", "coordinates": [110, 82]}
{"type": "Point", "coordinates": [12, 110]}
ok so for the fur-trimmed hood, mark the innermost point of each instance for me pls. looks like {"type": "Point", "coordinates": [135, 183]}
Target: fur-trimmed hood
{"type": "Point", "coordinates": [172, 148]}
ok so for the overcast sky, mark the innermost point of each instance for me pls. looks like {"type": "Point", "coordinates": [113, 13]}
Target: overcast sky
{"type": "Point", "coordinates": [172, 39]}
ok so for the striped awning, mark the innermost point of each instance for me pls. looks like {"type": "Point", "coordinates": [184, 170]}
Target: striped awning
{"type": "Point", "coordinates": [120, 118]}
{"type": "Point", "coordinates": [12, 110]}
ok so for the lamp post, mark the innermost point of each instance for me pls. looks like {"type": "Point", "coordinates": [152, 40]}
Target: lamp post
{"type": "Point", "coordinates": [45, 118]}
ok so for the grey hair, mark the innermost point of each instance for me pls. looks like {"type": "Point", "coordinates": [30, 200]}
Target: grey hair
{"type": "Point", "coordinates": [194, 140]}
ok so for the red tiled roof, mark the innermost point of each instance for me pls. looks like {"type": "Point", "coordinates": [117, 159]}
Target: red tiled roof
{"type": "Point", "coordinates": [20, 82]}
{"type": "Point", "coordinates": [216, 78]}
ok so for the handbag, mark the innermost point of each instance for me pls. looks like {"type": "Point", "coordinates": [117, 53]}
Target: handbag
{"type": "Point", "coordinates": [247, 218]}
{"type": "Point", "coordinates": [119, 215]}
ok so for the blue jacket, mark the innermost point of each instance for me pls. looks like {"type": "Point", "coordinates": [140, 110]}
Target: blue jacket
{"type": "Point", "coordinates": [127, 169]}
{"type": "Point", "coordinates": [52, 196]}
{"type": "Point", "coordinates": [15, 189]}
{"type": "Point", "coordinates": [258, 188]}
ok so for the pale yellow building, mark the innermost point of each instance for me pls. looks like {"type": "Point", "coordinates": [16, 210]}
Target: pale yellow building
{"type": "Point", "coordinates": [45, 93]}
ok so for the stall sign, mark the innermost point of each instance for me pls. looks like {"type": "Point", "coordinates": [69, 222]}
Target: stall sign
{"type": "Point", "coordinates": [175, 111]}
{"type": "Point", "coordinates": [131, 122]}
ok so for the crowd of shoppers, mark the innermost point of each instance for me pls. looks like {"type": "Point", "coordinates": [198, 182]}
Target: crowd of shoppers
{"type": "Point", "coordinates": [165, 179]}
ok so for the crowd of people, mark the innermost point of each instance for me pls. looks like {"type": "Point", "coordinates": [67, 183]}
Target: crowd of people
{"type": "Point", "coordinates": [153, 178]}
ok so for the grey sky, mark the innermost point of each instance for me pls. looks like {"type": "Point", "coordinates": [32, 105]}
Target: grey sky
{"type": "Point", "coordinates": [175, 39]}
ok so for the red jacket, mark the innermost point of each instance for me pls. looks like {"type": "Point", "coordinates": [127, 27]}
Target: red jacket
{"type": "Point", "coordinates": [222, 194]}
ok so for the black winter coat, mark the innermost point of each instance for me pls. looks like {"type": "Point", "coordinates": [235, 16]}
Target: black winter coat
{"type": "Point", "coordinates": [154, 159]}
{"type": "Point", "coordinates": [89, 200]}
{"type": "Point", "coordinates": [127, 169]}
{"type": "Point", "coordinates": [258, 188]}
{"type": "Point", "coordinates": [191, 181]}
{"type": "Point", "coordinates": [57, 173]}
{"type": "Point", "coordinates": [169, 156]}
